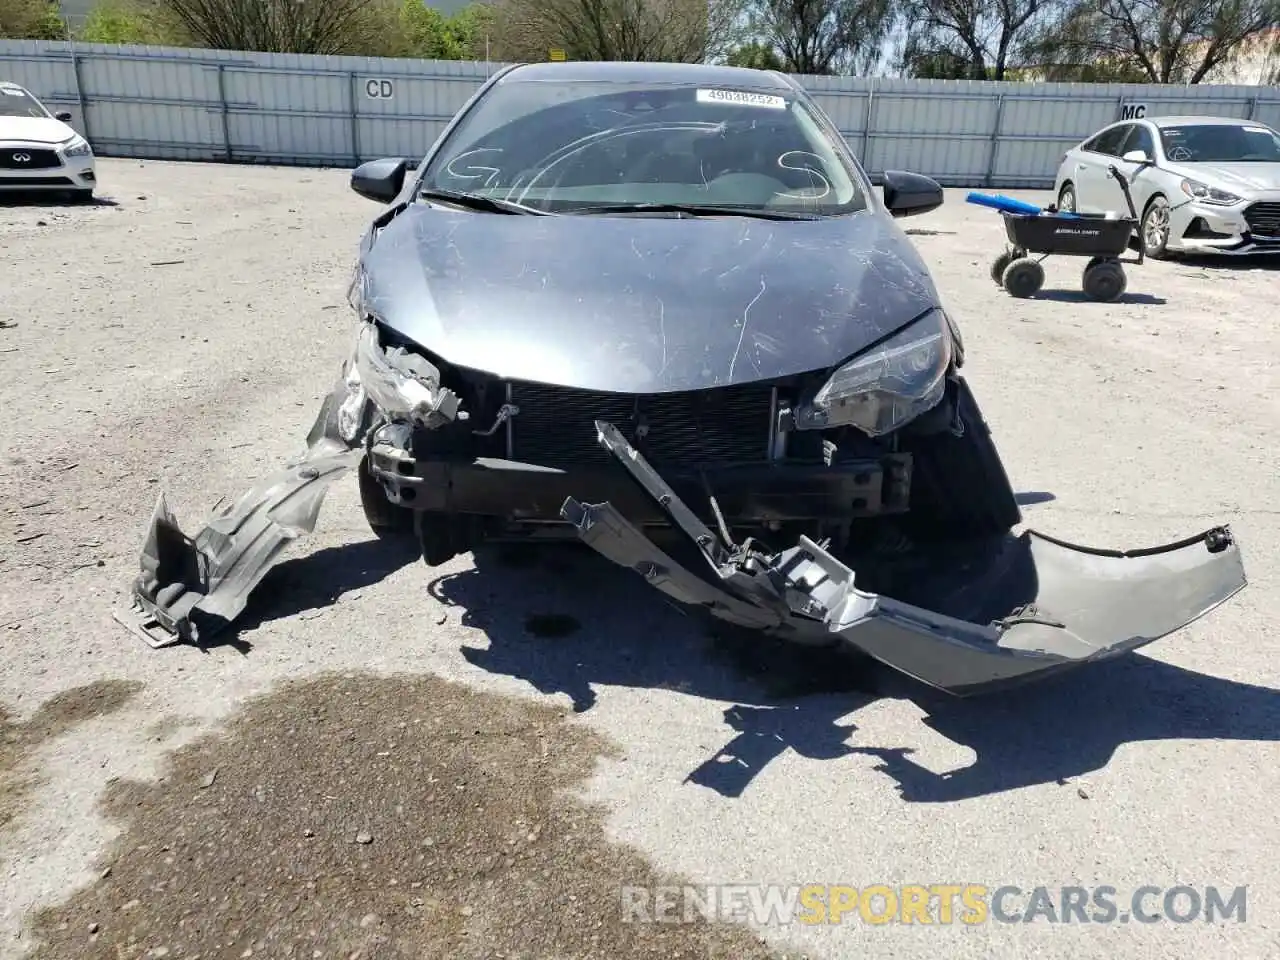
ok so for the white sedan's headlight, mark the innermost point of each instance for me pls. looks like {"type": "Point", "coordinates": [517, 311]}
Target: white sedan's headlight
{"type": "Point", "coordinates": [78, 147]}
{"type": "Point", "coordinates": [1207, 194]}
{"type": "Point", "coordinates": [889, 385]}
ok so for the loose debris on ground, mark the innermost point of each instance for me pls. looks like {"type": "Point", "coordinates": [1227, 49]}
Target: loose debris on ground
{"type": "Point", "coordinates": [414, 818]}
{"type": "Point", "coordinates": [56, 716]}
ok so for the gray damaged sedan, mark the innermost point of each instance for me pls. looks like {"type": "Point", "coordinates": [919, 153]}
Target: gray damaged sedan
{"type": "Point", "coordinates": [661, 309]}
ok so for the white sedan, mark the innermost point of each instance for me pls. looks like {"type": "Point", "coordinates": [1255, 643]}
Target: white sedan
{"type": "Point", "coordinates": [39, 150]}
{"type": "Point", "coordinates": [1199, 184]}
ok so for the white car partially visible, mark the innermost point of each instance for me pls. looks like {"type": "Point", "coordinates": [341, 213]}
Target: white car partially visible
{"type": "Point", "coordinates": [39, 150]}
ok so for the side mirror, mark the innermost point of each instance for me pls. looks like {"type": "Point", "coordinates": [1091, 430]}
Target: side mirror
{"type": "Point", "coordinates": [63, 115]}
{"type": "Point", "coordinates": [909, 194]}
{"type": "Point", "coordinates": [380, 180]}
{"type": "Point", "coordinates": [1137, 156]}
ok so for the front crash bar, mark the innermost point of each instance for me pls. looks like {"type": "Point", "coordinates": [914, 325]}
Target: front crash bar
{"type": "Point", "coordinates": [1034, 606]}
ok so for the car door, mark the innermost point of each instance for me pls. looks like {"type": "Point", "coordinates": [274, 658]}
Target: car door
{"type": "Point", "coordinates": [1139, 175]}
{"type": "Point", "coordinates": [1091, 174]}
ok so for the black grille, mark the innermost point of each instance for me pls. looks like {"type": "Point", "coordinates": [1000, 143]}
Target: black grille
{"type": "Point", "coordinates": [36, 159]}
{"type": "Point", "coordinates": [723, 425]}
{"type": "Point", "coordinates": [1263, 219]}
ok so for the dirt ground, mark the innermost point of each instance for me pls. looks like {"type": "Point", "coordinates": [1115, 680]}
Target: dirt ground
{"type": "Point", "coordinates": [178, 336]}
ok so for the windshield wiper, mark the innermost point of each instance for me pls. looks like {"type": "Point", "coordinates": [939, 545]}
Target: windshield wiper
{"type": "Point", "coordinates": [696, 210]}
{"type": "Point", "coordinates": [476, 201]}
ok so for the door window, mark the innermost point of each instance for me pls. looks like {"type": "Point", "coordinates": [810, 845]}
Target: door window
{"type": "Point", "coordinates": [1140, 139]}
{"type": "Point", "coordinates": [1108, 142]}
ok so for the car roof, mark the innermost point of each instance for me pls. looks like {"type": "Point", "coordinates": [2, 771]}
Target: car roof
{"type": "Point", "coordinates": [10, 85]}
{"type": "Point", "coordinates": [640, 72]}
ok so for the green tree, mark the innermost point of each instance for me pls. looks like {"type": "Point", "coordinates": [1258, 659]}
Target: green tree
{"type": "Point", "coordinates": [132, 21]}
{"type": "Point", "coordinates": [757, 55]}
{"type": "Point", "coordinates": [31, 20]}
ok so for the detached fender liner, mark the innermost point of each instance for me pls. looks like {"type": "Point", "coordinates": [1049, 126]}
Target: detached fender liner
{"type": "Point", "coordinates": [1020, 609]}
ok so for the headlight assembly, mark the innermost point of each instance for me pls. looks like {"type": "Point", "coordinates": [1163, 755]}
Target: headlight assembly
{"type": "Point", "coordinates": [78, 147]}
{"type": "Point", "coordinates": [404, 385]}
{"type": "Point", "coordinates": [1207, 194]}
{"type": "Point", "coordinates": [889, 385]}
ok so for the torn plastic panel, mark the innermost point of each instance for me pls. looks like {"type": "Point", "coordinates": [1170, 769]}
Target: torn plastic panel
{"type": "Point", "coordinates": [191, 588]}
{"type": "Point", "coordinates": [404, 385]}
{"type": "Point", "coordinates": [1017, 611]}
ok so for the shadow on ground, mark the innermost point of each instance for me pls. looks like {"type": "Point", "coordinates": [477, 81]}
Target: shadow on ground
{"type": "Point", "coordinates": [313, 582]}
{"type": "Point", "coordinates": [1207, 264]}
{"type": "Point", "coordinates": [415, 819]}
{"type": "Point", "coordinates": [51, 198]}
{"type": "Point", "coordinates": [55, 717]}
{"type": "Point", "coordinates": [565, 621]}
{"type": "Point", "coordinates": [806, 700]}
{"type": "Point", "coordinates": [1079, 296]}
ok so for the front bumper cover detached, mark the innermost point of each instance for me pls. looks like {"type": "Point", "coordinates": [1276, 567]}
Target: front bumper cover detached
{"type": "Point", "coordinates": [1060, 606]}
{"type": "Point", "coordinates": [1029, 608]}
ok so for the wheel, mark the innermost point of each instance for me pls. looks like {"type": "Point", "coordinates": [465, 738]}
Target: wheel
{"type": "Point", "coordinates": [998, 267]}
{"type": "Point", "coordinates": [959, 487]}
{"type": "Point", "coordinates": [385, 518]}
{"type": "Point", "coordinates": [1067, 198]}
{"type": "Point", "coordinates": [1104, 281]}
{"type": "Point", "coordinates": [1024, 277]}
{"type": "Point", "coordinates": [1153, 233]}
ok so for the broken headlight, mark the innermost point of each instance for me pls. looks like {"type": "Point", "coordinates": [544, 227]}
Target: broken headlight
{"type": "Point", "coordinates": [404, 385]}
{"type": "Point", "coordinates": [889, 385]}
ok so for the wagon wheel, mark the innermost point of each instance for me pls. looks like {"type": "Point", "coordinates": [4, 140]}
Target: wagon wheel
{"type": "Point", "coordinates": [999, 265]}
{"type": "Point", "coordinates": [1024, 277]}
{"type": "Point", "coordinates": [1105, 281]}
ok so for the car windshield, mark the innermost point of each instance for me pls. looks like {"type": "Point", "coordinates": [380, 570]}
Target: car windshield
{"type": "Point", "coordinates": [574, 145]}
{"type": "Point", "coordinates": [1221, 143]}
{"type": "Point", "coordinates": [16, 102]}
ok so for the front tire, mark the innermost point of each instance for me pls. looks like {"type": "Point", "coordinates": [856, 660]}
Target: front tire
{"type": "Point", "coordinates": [1153, 233]}
{"type": "Point", "coordinates": [959, 487]}
{"type": "Point", "coordinates": [385, 518]}
{"type": "Point", "coordinates": [1067, 198]}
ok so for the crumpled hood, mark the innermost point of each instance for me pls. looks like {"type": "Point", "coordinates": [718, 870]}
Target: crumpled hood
{"type": "Point", "coordinates": [1233, 177]}
{"type": "Point", "coordinates": [34, 130]}
{"type": "Point", "coordinates": [642, 304]}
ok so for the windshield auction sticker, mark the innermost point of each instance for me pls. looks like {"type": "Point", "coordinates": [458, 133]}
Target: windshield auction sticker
{"type": "Point", "coordinates": [742, 98]}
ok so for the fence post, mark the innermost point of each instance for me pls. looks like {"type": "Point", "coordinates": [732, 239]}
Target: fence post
{"type": "Point", "coordinates": [353, 82]}
{"type": "Point", "coordinates": [84, 111]}
{"type": "Point", "coordinates": [227, 151]}
{"type": "Point", "coordinates": [995, 141]}
{"type": "Point", "coordinates": [1253, 106]}
{"type": "Point", "coordinates": [866, 122]}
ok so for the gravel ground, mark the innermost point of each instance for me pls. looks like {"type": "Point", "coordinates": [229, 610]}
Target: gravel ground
{"type": "Point", "coordinates": [179, 335]}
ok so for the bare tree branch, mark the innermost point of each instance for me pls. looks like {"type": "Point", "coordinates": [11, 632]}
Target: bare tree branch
{"type": "Point", "coordinates": [986, 34]}
{"type": "Point", "coordinates": [636, 30]}
{"type": "Point", "coordinates": [277, 26]}
{"type": "Point", "coordinates": [824, 36]}
{"type": "Point", "coordinates": [1166, 41]}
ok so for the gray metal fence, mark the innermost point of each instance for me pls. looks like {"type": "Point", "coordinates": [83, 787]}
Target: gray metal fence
{"type": "Point", "coordinates": [162, 103]}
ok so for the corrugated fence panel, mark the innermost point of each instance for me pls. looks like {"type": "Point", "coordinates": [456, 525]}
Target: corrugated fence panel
{"type": "Point", "coordinates": [155, 108]}
{"type": "Point", "coordinates": [289, 115]}
{"type": "Point", "coordinates": [338, 111]}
